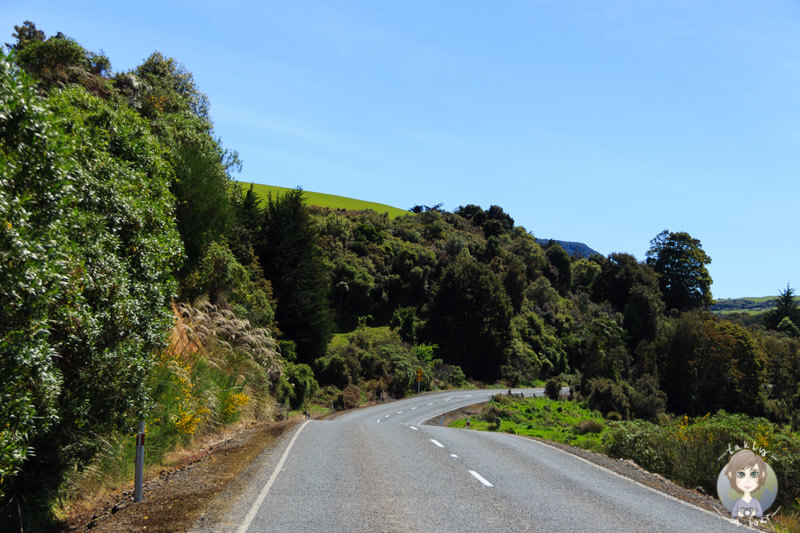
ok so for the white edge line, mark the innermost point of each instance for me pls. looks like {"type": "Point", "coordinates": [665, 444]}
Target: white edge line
{"type": "Point", "coordinates": [480, 478]}
{"type": "Point", "coordinates": [436, 442]}
{"type": "Point", "coordinates": [651, 489]}
{"type": "Point", "coordinates": [263, 494]}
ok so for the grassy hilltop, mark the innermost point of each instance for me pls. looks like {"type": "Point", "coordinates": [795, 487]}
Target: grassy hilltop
{"type": "Point", "coordinates": [327, 200]}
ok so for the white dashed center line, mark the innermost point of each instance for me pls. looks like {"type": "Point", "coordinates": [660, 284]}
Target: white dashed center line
{"type": "Point", "coordinates": [430, 403]}
{"type": "Point", "coordinates": [415, 429]}
{"type": "Point", "coordinates": [480, 478]}
{"type": "Point", "coordinates": [413, 408]}
{"type": "Point", "coordinates": [436, 442]}
{"type": "Point", "coordinates": [454, 456]}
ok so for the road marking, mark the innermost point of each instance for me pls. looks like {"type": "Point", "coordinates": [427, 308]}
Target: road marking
{"type": "Point", "coordinates": [436, 442]}
{"type": "Point", "coordinates": [430, 403]}
{"type": "Point", "coordinates": [480, 478]}
{"type": "Point", "coordinates": [399, 412]}
{"type": "Point", "coordinates": [468, 396]}
{"type": "Point", "coordinates": [387, 416]}
{"type": "Point", "coordinates": [447, 399]}
{"type": "Point", "coordinates": [415, 429]}
{"type": "Point", "coordinates": [379, 420]}
{"type": "Point", "coordinates": [413, 408]}
{"type": "Point", "coordinates": [454, 456]}
{"type": "Point", "coordinates": [263, 494]}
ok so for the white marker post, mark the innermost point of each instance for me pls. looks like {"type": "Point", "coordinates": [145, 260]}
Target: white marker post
{"type": "Point", "coordinates": [139, 474]}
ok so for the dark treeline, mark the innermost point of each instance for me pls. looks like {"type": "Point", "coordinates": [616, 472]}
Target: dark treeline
{"type": "Point", "coordinates": [116, 199]}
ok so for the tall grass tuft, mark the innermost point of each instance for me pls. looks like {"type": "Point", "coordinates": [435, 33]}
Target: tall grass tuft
{"type": "Point", "coordinates": [217, 370]}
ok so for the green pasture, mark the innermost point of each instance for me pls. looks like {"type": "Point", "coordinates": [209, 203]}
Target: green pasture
{"type": "Point", "coordinates": [327, 200]}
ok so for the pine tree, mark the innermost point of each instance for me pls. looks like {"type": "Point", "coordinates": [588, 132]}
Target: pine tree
{"type": "Point", "coordinates": [293, 262]}
{"type": "Point", "coordinates": [786, 307]}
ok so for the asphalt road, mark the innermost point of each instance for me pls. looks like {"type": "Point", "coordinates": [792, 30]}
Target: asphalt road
{"type": "Point", "coordinates": [383, 469]}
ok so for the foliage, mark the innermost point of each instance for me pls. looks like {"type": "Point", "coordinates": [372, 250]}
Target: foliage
{"type": "Point", "coordinates": [35, 167]}
{"type": "Point", "coordinates": [224, 282]}
{"type": "Point", "coordinates": [552, 388]}
{"type": "Point", "coordinates": [785, 317]}
{"type": "Point", "coordinates": [59, 61]}
{"type": "Point", "coordinates": [212, 374]}
{"type": "Point", "coordinates": [469, 318]}
{"type": "Point", "coordinates": [107, 307]}
{"type": "Point", "coordinates": [301, 378]}
{"type": "Point", "coordinates": [693, 451]}
{"type": "Point", "coordinates": [292, 260]}
{"type": "Point", "coordinates": [680, 262]}
{"type": "Point", "coordinates": [566, 422]}
{"type": "Point", "coordinates": [708, 364]}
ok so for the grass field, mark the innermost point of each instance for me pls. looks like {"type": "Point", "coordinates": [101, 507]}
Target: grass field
{"type": "Point", "coordinates": [327, 200]}
{"type": "Point", "coordinates": [559, 421]}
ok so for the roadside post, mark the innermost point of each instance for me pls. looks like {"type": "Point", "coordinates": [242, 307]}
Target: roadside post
{"type": "Point", "coordinates": [139, 473]}
{"type": "Point", "coordinates": [419, 378]}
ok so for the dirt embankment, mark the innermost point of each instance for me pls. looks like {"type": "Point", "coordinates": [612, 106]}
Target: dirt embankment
{"type": "Point", "coordinates": [175, 498]}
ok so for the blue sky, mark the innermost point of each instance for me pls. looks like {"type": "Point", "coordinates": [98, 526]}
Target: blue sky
{"type": "Point", "coordinates": [600, 121]}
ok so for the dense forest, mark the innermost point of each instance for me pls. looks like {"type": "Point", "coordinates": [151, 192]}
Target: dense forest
{"type": "Point", "coordinates": [131, 261]}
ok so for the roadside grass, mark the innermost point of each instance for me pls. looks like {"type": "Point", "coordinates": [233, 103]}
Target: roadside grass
{"type": "Point", "coordinates": [691, 451]}
{"type": "Point", "coordinates": [326, 200]}
{"type": "Point", "coordinates": [566, 422]}
{"type": "Point", "coordinates": [200, 387]}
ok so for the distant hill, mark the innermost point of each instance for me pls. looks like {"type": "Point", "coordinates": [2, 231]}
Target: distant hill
{"type": "Point", "coordinates": [574, 249]}
{"type": "Point", "coordinates": [327, 200]}
{"type": "Point", "coordinates": [743, 305]}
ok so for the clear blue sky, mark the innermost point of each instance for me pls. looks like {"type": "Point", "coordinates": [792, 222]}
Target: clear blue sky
{"type": "Point", "coordinates": [599, 121]}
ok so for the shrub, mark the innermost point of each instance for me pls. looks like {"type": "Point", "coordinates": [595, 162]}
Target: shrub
{"type": "Point", "coordinates": [301, 379]}
{"type": "Point", "coordinates": [647, 400]}
{"type": "Point", "coordinates": [691, 452]}
{"type": "Point", "coordinates": [351, 397]}
{"type": "Point", "coordinates": [588, 426]}
{"type": "Point", "coordinates": [605, 396]}
{"type": "Point", "coordinates": [552, 388]}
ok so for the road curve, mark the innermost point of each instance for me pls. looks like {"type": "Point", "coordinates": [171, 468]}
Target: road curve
{"type": "Point", "coordinates": [383, 469]}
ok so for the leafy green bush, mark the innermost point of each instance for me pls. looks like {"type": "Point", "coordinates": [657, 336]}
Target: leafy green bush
{"type": "Point", "coordinates": [605, 395]}
{"type": "Point", "coordinates": [552, 388]}
{"type": "Point", "coordinates": [34, 183]}
{"type": "Point", "coordinates": [301, 378]}
{"type": "Point", "coordinates": [692, 452]}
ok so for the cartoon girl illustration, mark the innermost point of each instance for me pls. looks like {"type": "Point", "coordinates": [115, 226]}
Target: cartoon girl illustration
{"type": "Point", "coordinates": [746, 472]}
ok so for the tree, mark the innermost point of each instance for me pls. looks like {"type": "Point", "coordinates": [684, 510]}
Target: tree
{"type": "Point", "coordinates": [292, 260]}
{"type": "Point", "coordinates": [469, 318]}
{"type": "Point", "coordinates": [60, 61]}
{"type": "Point", "coordinates": [786, 308]}
{"type": "Point", "coordinates": [178, 114]}
{"type": "Point", "coordinates": [707, 364]}
{"type": "Point", "coordinates": [680, 262]}
{"type": "Point", "coordinates": [25, 34]}
{"type": "Point", "coordinates": [87, 254]}
{"type": "Point", "coordinates": [560, 268]}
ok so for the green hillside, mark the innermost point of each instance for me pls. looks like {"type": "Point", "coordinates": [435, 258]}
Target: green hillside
{"type": "Point", "coordinates": [328, 200]}
{"type": "Point", "coordinates": [744, 305]}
